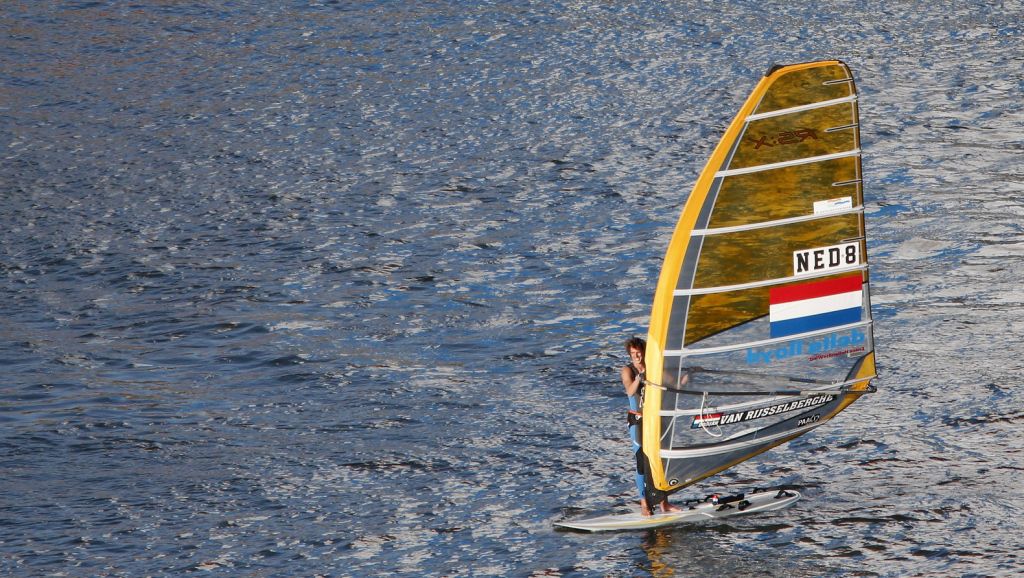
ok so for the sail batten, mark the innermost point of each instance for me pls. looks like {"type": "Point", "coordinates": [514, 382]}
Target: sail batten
{"type": "Point", "coordinates": [766, 275]}
{"type": "Point", "coordinates": [693, 351]}
{"type": "Point", "coordinates": [775, 223]}
{"type": "Point", "coordinates": [802, 108]}
{"type": "Point", "coordinates": [844, 127]}
{"type": "Point", "coordinates": [835, 387]}
{"type": "Point", "coordinates": [748, 404]}
{"type": "Point", "coordinates": [789, 163]}
{"type": "Point", "coordinates": [766, 282]}
{"type": "Point", "coordinates": [728, 448]}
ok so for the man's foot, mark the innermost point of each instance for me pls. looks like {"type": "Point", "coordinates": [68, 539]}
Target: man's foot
{"type": "Point", "coordinates": [644, 510]}
{"type": "Point", "coordinates": [667, 507]}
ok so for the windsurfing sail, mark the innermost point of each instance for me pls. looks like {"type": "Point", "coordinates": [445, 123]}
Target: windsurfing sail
{"type": "Point", "coordinates": [761, 323]}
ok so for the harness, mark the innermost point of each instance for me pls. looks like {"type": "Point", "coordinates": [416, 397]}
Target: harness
{"type": "Point", "coordinates": [633, 418]}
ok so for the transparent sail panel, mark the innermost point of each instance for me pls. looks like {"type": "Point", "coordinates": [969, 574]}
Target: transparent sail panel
{"type": "Point", "coordinates": [801, 87]}
{"type": "Point", "coordinates": [785, 193]}
{"type": "Point", "coordinates": [795, 136]}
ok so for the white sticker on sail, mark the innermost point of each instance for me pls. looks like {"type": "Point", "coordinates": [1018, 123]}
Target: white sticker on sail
{"type": "Point", "coordinates": [833, 205]}
{"type": "Point", "coordinates": [821, 259]}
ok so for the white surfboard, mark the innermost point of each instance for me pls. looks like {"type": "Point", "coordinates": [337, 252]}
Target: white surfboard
{"type": "Point", "coordinates": [760, 501]}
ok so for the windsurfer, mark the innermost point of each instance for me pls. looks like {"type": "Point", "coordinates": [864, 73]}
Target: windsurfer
{"type": "Point", "coordinates": [632, 381]}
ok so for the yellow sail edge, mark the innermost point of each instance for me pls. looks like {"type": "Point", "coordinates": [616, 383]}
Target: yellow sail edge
{"type": "Point", "coordinates": [663, 298]}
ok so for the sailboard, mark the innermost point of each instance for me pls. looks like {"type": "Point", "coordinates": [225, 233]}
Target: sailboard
{"type": "Point", "coordinates": [709, 508]}
{"type": "Point", "coordinates": [761, 326]}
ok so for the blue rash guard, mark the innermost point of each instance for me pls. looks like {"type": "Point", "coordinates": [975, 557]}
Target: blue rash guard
{"type": "Point", "coordinates": [634, 431]}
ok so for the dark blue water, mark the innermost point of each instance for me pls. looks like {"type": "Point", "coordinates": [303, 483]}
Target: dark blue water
{"type": "Point", "coordinates": [339, 288]}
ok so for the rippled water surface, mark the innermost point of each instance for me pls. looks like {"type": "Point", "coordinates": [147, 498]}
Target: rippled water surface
{"type": "Point", "coordinates": [339, 288]}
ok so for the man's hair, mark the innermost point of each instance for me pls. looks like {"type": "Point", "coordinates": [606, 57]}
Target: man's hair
{"type": "Point", "coordinates": [637, 343]}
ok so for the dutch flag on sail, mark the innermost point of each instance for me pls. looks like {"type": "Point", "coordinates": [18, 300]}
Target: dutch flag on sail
{"type": "Point", "coordinates": [815, 305]}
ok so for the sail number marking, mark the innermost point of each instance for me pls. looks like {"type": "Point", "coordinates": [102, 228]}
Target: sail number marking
{"type": "Point", "coordinates": [821, 259]}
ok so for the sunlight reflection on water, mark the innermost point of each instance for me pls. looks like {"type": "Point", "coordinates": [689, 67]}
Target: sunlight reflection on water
{"type": "Point", "coordinates": [339, 288]}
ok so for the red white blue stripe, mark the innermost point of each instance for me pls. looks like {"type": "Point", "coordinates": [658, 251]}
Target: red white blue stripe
{"type": "Point", "coordinates": [815, 305]}
{"type": "Point", "coordinates": [708, 419]}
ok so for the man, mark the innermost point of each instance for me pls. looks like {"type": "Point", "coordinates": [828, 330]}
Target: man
{"type": "Point", "coordinates": [633, 382]}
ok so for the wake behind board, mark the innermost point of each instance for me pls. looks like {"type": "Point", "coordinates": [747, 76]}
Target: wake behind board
{"type": "Point", "coordinates": [763, 501]}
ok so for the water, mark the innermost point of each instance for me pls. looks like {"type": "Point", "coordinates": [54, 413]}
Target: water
{"type": "Point", "coordinates": [339, 288]}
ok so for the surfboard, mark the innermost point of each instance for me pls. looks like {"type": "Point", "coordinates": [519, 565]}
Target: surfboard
{"type": "Point", "coordinates": [707, 509]}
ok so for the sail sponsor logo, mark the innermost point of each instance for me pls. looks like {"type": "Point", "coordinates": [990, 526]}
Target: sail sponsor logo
{"type": "Point", "coordinates": [708, 419]}
{"type": "Point", "coordinates": [786, 137]}
{"type": "Point", "coordinates": [833, 205]}
{"type": "Point", "coordinates": [834, 345]}
{"type": "Point", "coordinates": [823, 259]}
{"type": "Point", "coordinates": [809, 420]}
{"type": "Point", "coordinates": [720, 419]}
